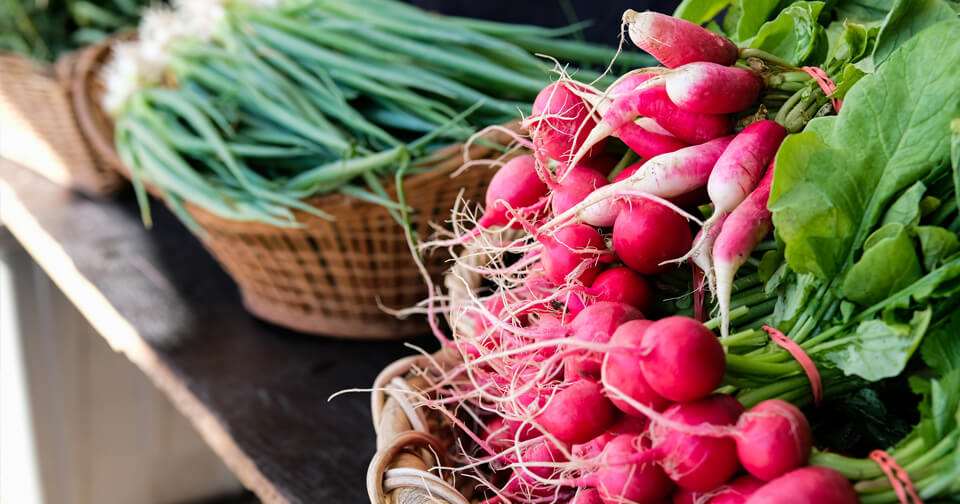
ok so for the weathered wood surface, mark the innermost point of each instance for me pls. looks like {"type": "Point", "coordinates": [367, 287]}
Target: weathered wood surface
{"type": "Point", "coordinates": [257, 393]}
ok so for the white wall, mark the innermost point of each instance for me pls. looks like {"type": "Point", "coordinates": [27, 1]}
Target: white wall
{"type": "Point", "coordinates": [80, 424]}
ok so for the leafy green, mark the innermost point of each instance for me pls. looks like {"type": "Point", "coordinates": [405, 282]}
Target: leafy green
{"type": "Point", "coordinates": [937, 244]}
{"type": "Point", "coordinates": [955, 155]}
{"type": "Point", "coordinates": [700, 11]}
{"type": "Point", "coordinates": [835, 180]}
{"type": "Point", "coordinates": [941, 347]}
{"type": "Point", "coordinates": [866, 12]}
{"type": "Point", "coordinates": [878, 349]}
{"type": "Point", "coordinates": [906, 19]}
{"type": "Point", "coordinates": [753, 15]}
{"type": "Point", "coordinates": [906, 209]}
{"type": "Point", "coordinates": [892, 254]}
{"type": "Point", "coordinates": [794, 35]}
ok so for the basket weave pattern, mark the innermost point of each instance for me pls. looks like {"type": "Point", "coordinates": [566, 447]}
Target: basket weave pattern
{"type": "Point", "coordinates": [331, 277]}
{"type": "Point", "coordinates": [413, 440]}
{"type": "Point", "coordinates": [38, 129]}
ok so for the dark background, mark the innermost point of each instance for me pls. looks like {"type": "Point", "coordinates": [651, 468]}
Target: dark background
{"type": "Point", "coordinates": [605, 14]}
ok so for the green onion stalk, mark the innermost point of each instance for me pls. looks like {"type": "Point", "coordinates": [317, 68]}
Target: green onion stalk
{"type": "Point", "coordinates": [245, 108]}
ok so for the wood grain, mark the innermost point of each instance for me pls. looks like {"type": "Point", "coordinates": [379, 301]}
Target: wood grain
{"type": "Point", "coordinates": [256, 393]}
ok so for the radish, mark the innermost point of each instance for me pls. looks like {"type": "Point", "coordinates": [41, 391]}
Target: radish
{"type": "Point", "coordinates": [575, 248]}
{"type": "Point", "coordinates": [674, 41]}
{"type": "Point", "coordinates": [774, 438]}
{"type": "Point", "coordinates": [740, 168]}
{"type": "Point", "coordinates": [575, 185]}
{"type": "Point", "coordinates": [697, 462]}
{"type": "Point", "coordinates": [516, 185]}
{"type": "Point", "coordinates": [709, 88]}
{"type": "Point", "coordinates": [742, 231]}
{"type": "Point", "coordinates": [807, 485]}
{"type": "Point", "coordinates": [666, 176]}
{"type": "Point", "coordinates": [647, 143]}
{"type": "Point", "coordinates": [681, 359]}
{"type": "Point", "coordinates": [621, 481]}
{"type": "Point", "coordinates": [587, 496]}
{"type": "Point", "coordinates": [577, 413]}
{"type": "Point", "coordinates": [625, 425]}
{"type": "Point", "coordinates": [596, 324]}
{"type": "Point", "coordinates": [534, 461]}
{"type": "Point", "coordinates": [621, 370]}
{"type": "Point", "coordinates": [651, 100]}
{"type": "Point", "coordinates": [734, 492]}
{"type": "Point", "coordinates": [623, 285]}
{"type": "Point", "coordinates": [560, 122]}
{"type": "Point", "coordinates": [646, 234]}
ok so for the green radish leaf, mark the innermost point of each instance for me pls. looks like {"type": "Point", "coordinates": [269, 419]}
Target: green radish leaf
{"type": "Point", "coordinates": [700, 11]}
{"type": "Point", "coordinates": [945, 402]}
{"type": "Point", "coordinates": [865, 12]}
{"type": "Point", "coordinates": [906, 209]}
{"type": "Point", "coordinates": [753, 15]}
{"type": "Point", "coordinates": [906, 19]}
{"type": "Point", "coordinates": [937, 244]}
{"type": "Point", "coordinates": [850, 76]}
{"type": "Point", "coordinates": [895, 256]}
{"type": "Point", "coordinates": [835, 180]}
{"type": "Point", "coordinates": [955, 155]}
{"type": "Point", "coordinates": [878, 349]}
{"type": "Point", "coordinates": [794, 35]}
{"type": "Point", "coordinates": [941, 347]}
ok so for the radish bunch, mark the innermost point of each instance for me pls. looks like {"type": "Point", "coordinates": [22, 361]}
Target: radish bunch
{"type": "Point", "coordinates": [580, 389]}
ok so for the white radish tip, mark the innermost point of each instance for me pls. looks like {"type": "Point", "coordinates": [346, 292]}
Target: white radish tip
{"type": "Point", "coordinates": [629, 15]}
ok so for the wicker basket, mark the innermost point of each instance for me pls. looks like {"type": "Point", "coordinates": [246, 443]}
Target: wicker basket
{"type": "Point", "coordinates": [333, 277]}
{"type": "Point", "coordinates": [86, 94]}
{"type": "Point", "coordinates": [412, 440]}
{"type": "Point", "coordinates": [328, 277]}
{"type": "Point", "coordinates": [38, 129]}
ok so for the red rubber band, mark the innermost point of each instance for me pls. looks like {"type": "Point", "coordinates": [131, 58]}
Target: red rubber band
{"type": "Point", "coordinates": [816, 384]}
{"type": "Point", "coordinates": [825, 83]}
{"type": "Point", "coordinates": [899, 479]}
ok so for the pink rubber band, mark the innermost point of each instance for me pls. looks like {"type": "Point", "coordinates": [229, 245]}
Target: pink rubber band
{"type": "Point", "coordinates": [899, 479]}
{"type": "Point", "coordinates": [816, 384]}
{"type": "Point", "coordinates": [825, 83]}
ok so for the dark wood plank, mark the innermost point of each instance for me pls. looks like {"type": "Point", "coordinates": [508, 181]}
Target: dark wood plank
{"type": "Point", "coordinates": [257, 393]}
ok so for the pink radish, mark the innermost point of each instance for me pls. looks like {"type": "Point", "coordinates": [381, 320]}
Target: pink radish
{"type": "Point", "coordinates": [697, 462]}
{"type": "Point", "coordinates": [623, 285]}
{"type": "Point", "coordinates": [625, 425]}
{"type": "Point", "coordinates": [742, 231]}
{"type": "Point", "coordinates": [681, 359]}
{"type": "Point", "coordinates": [774, 439]}
{"type": "Point", "coordinates": [587, 496]}
{"type": "Point", "coordinates": [807, 485]}
{"type": "Point", "coordinates": [674, 41]}
{"type": "Point", "coordinates": [647, 143]}
{"type": "Point", "coordinates": [560, 122]}
{"type": "Point", "coordinates": [651, 100]}
{"type": "Point", "coordinates": [646, 234]}
{"type": "Point", "coordinates": [709, 88]}
{"type": "Point", "coordinates": [734, 492]}
{"type": "Point", "coordinates": [577, 413]}
{"type": "Point", "coordinates": [596, 324]}
{"type": "Point", "coordinates": [741, 167]}
{"type": "Point", "coordinates": [666, 176]}
{"type": "Point", "coordinates": [576, 247]}
{"type": "Point", "coordinates": [621, 481]}
{"type": "Point", "coordinates": [534, 460]}
{"type": "Point", "coordinates": [575, 185]}
{"type": "Point", "coordinates": [621, 370]}
{"type": "Point", "coordinates": [517, 185]}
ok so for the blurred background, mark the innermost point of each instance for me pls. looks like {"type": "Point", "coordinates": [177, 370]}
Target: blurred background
{"type": "Point", "coordinates": [80, 424]}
